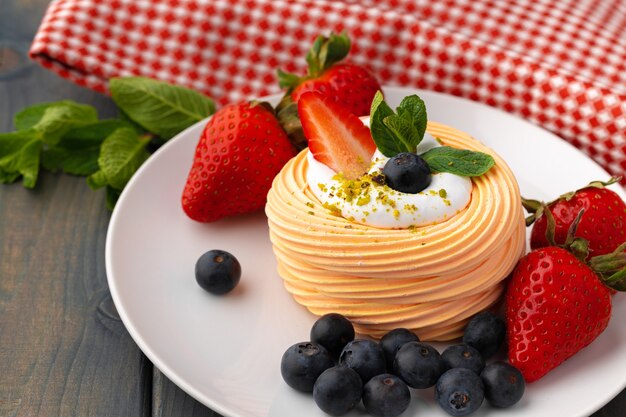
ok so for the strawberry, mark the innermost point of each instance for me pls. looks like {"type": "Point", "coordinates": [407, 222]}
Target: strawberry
{"type": "Point", "coordinates": [557, 303]}
{"type": "Point", "coordinates": [603, 224]}
{"type": "Point", "coordinates": [348, 84]}
{"type": "Point", "coordinates": [555, 306]}
{"type": "Point", "coordinates": [241, 150]}
{"type": "Point", "coordinates": [337, 138]}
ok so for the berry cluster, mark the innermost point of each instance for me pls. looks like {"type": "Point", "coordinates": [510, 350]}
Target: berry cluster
{"type": "Point", "coordinates": [342, 371]}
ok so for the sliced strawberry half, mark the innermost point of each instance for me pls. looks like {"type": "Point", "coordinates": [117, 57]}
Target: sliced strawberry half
{"type": "Point", "coordinates": [337, 138]}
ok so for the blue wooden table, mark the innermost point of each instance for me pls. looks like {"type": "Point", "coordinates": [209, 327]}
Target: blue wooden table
{"type": "Point", "coordinates": [63, 349]}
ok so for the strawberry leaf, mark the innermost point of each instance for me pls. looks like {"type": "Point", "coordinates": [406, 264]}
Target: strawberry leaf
{"type": "Point", "coordinates": [327, 51]}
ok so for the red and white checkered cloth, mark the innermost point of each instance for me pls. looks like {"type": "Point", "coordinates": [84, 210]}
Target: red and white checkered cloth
{"type": "Point", "coordinates": [558, 63]}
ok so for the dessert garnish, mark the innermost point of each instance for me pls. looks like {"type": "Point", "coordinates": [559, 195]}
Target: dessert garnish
{"type": "Point", "coordinates": [70, 137]}
{"type": "Point", "coordinates": [337, 137]}
{"type": "Point", "coordinates": [393, 340]}
{"type": "Point", "coordinates": [333, 331]}
{"type": "Point", "coordinates": [397, 136]}
{"type": "Point", "coordinates": [241, 150]}
{"type": "Point", "coordinates": [486, 332]}
{"type": "Point", "coordinates": [459, 392]}
{"type": "Point", "coordinates": [603, 224]}
{"type": "Point", "coordinates": [347, 84]}
{"type": "Point", "coordinates": [463, 356]}
{"type": "Point", "coordinates": [386, 395]}
{"type": "Point", "coordinates": [338, 390]}
{"type": "Point", "coordinates": [218, 271]}
{"type": "Point", "coordinates": [303, 363]}
{"type": "Point", "coordinates": [504, 384]}
{"type": "Point", "coordinates": [557, 303]}
{"type": "Point", "coordinates": [384, 390]}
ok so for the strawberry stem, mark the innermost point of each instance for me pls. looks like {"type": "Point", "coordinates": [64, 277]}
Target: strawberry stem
{"type": "Point", "coordinates": [550, 227]}
{"type": "Point", "coordinates": [611, 267]}
{"type": "Point", "coordinates": [536, 208]}
{"type": "Point", "coordinates": [325, 52]}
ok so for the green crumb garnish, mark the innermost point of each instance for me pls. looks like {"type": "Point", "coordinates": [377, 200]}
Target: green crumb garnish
{"type": "Point", "coordinates": [443, 193]}
{"type": "Point", "coordinates": [309, 204]}
{"type": "Point", "coordinates": [396, 214]}
{"type": "Point", "coordinates": [446, 202]}
{"type": "Point", "coordinates": [410, 208]}
{"type": "Point", "coordinates": [322, 187]}
{"type": "Point", "coordinates": [363, 200]}
{"type": "Point", "coordinates": [311, 212]}
{"type": "Point", "coordinates": [332, 208]}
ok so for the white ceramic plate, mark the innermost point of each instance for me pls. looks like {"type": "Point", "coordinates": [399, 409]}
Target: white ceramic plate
{"type": "Point", "coordinates": [225, 351]}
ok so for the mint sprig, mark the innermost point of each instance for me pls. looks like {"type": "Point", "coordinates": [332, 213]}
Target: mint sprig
{"type": "Point", "coordinates": [68, 136]}
{"type": "Point", "coordinates": [403, 130]}
{"type": "Point", "coordinates": [458, 161]}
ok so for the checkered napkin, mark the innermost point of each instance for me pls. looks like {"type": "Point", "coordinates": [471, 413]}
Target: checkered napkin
{"type": "Point", "coordinates": [558, 63]}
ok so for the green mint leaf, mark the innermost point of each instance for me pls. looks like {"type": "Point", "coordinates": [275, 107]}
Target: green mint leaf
{"type": "Point", "coordinates": [384, 137]}
{"type": "Point", "coordinates": [458, 161]}
{"type": "Point", "coordinates": [56, 119]}
{"type": "Point", "coordinates": [121, 154]}
{"type": "Point", "coordinates": [161, 108]}
{"type": "Point", "coordinates": [413, 109]}
{"type": "Point", "coordinates": [97, 180]}
{"type": "Point", "coordinates": [19, 156]}
{"type": "Point", "coordinates": [402, 132]}
{"type": "Point", "coordinates": [28, 117]}
{"type": "Point", "coordinates": [112, 195]}
{"type": "Point", "coordinates": [78, 150]}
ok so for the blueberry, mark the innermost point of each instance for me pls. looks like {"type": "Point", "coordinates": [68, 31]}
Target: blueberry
{"type": "Point", "coordinates": [459, 392]}
{"type": "Point", "coordinates": [365, 357]}
{"type": "Point", "coordinates": [407, 172]}
{"type": "Point", "coordinates": [463, 356]}
{"type": "Point", "coordinates": [393, 340]}
{"type": "Point", "coordinates": [485, 332]}
{"type": "Point", "coordinates": [333, 331]}
{"type": "Point", "coordinates": [418, 364]}
{"type": "Point", "coordinates": [217, 271]}
{"type": "Point", "coordinates": [302, 363]}
{"type": "Point", "coordinates": [386, 395]}
{"type": "Point", "coordinates": [338, 390]}
{"type": "Point", "coordinates": [504, 384]}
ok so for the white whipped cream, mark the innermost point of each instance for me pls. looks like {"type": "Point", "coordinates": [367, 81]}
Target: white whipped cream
{"type": "Point", "coordinates": [380, 206]}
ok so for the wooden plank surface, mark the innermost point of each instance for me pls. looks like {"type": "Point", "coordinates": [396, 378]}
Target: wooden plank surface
{"type": "Point", "coordinates": [63, 349]}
